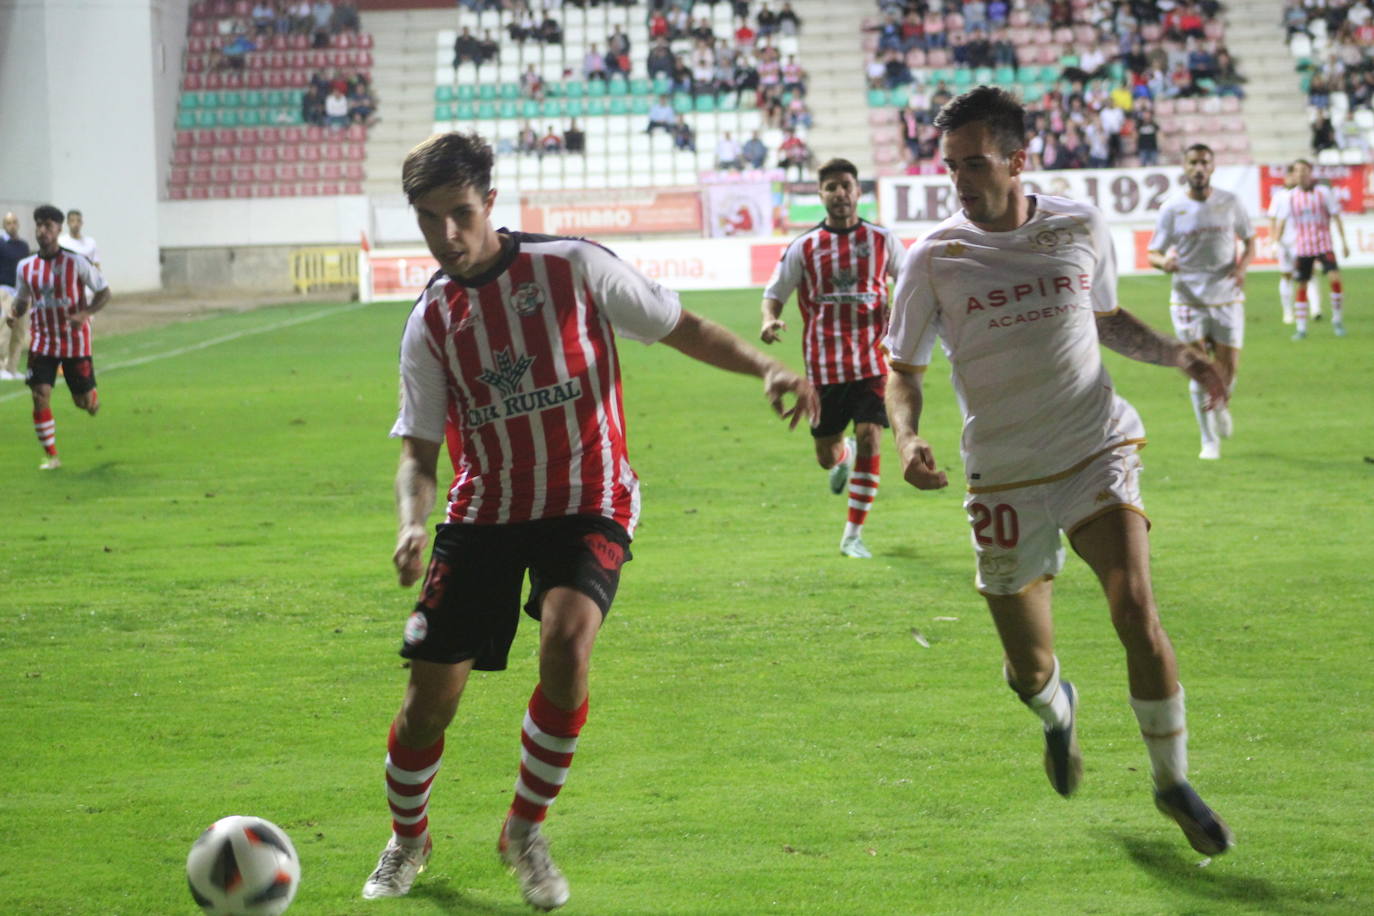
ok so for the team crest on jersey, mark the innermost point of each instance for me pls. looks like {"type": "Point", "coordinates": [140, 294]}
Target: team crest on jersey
{"type": "Point", "coordinates": [863, 250]}
{"type": "Point", "coordinates": [844, 280]}
{"type": "Point", "coordinates": [955, 249]}
{"type": "Point", "coordinates": [1050, 239]}
{"type": "Point", "coordinates": [527, 298]}
{"type": "Point", "coordinates": [506, 378]}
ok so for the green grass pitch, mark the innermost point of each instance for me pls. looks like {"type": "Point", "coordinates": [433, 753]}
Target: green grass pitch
{"type": "Point", "coordinates": [198, 618]}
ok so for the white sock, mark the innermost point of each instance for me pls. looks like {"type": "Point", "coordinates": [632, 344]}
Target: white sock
{"type": "Point", "coordinates": [852, 530]}
{"type": "Point", "coordinates": [1051, 704]}
{"type": "Point", "coordinates": [1314, 296]}
{"type": "Point", "coordinates": [1164, 727]}
{"type": "Point", "coordinates": [1198, 395]}
{"type": "Point", "coordinates": [1286, 295]}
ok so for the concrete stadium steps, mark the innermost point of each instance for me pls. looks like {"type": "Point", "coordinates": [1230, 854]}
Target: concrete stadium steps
{"type": "Point", "coordinates": [831, 51]}
{"type": "Point", "coordinates": [1275, 107]}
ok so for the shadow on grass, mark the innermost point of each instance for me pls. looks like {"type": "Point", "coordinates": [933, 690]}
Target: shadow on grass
{"type": "Point", "coordinates": [104, 471]}
{"type": "Point", "coordinates": [1219, 882]}
{"type": "Point", "coordinates": [455, 901]}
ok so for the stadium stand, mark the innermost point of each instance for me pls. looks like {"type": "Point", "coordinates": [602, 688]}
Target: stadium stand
{"type": "Point", "coordinates": [1333, 51]}
{"type": "Point", "coordinates": [1091, 72]}
{"type": "Point", "coordinates": [539, 87]}
{"type": "Point", "coordinates": [252, 119]}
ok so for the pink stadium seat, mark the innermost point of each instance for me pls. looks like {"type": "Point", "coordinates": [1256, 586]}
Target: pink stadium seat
{"type": "Point", "coordinates": [1063, 35]}
{"type": "Point", "coordinates": [181, 156]}
{"type": "Point", "coordinates": [286, 190]}
{"type": "Point", "coordinates": [354, 152]}
{"type": "Point", "coordinates": [222, 155]}
{"type": "Point", "coordinates": [284, 173]}
{"type": "Point", "coordinates": [222, 9]}
{"type": "Point", "coordinates": [202, 155]}
{"type": "Point", "coordinates": [308, 189]}
{"type": "Point", "coordinates": [255, 79]}
{"type": "Point", "coordinates": [196, 65]}
{"type": "Point", "coordinates": [339, 59]}
{"type": "Point", "coordinates": [954, 22]}
{"type": "Point", "coordinates": [365, 40]}
{"type": "Point", "coordinates": [199, 29]}
{"type": "Point", "coordinates": [1151, 31]}
{"type": "Point", "coordinates": [202, 137]}
{"type": "Point", "coordinates": [300, 41]}
{"type": "Point", "coordinates": [200, 175]}
{"type": "Point", "coordinates": [264, 173]}
{"type": "Point", "coordinates": [1214, 29]}
{"type": "Point", "coordinates": [246, 154]}
{"type": "Point", "coordinates": [356, 132]}
{"type": "Point", "coordinates": [291, 135]}
{"type": "Point", "coordinates": [1085, 35]}
{"type": "Point", "coordinates": [255, 61]}
{"type": "Point", "coordinates": [267, 154]}
{"type": "Point", "coordinates": [1042, 35]}
{"type": "Point", "coordinates": [331, 171]}
{"type": "Point", "coordinates": [296, 60]}
{"type": "Point", "coordinates": [233, 80]}
{"type": "Point", "coordinates": [200, 192]}
{"type": "Point", "coordinates": [246, 135]}
{"type": "Point", "coordinates": [1185, 106]}
{"type": "Point", "coordinates": [1230, 104]}
{"type": "Point", "coordinates": [279, 43]}
{"type": "Point", "coordinates": [317, 58]}
{"type": "Point", "coordinates": [1019, 18]}
{"type": "Point", "coordinates": [288, 153]}
{"type": "Point", "coordinates": [196, 45]}
{"type": "Point", "coordinates": [178, 193]}
{"type": "Point", "coordinates": [243, 9]}
{"type": "Point", "coordinates": [937, 57]}
{"type": "Point", "coordinates": [916, 58]}
{"type": "Point", "coordinates": [184, 138]}
{"type": "Point", "coordinates": [276, 79]}
{"type": "Point", "coordinates": [309, 152]}
{"type": "Point", "coordinates": [276, 60]}
{"type": "Point", "coordinates": [329, 189]}
{"type": "Point", "coordinates": [353, 171]}
{"type": "Point", "coordinates": [333, 151]}
{"type": "Point", "coordinates": [192, 82]}
{"type": "Point", "coordinates": [308, 171]}
{"type": "Point", "coordinates": [220, 174]}
{"type": "Point", "coordinates": [264, 190]}
{"type": "Point", "coordinates": [341, 40]}
{"type": "Point", "coordinates": [314, 134]}
{"type": "Point", "coordinates": [1019, 35]}
{"type": "Point", "coordinates": [353, 187]}
{"type": "Point", "coordinates": [241, 190]}
{"type": "Point", "coordinates": [1164, 106]}
{"type": "Point", "coordinates": [269, 135]}
{"type": "Point", "coordinates": [180, 176]}
{"type": "Point", "coordinates": [224, 136]}
{"type": "Point", "coordinates": [878, 116]}
{"type": "Point", "coordinates": [241, 174]}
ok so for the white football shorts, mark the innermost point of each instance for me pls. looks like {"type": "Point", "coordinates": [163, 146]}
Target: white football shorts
{"type": "Point", "coordinates": [1222, 324]}
{"type": "Point", "coordinates": [1288, 259]}
{"type": "Point", "coordinates": [1016, 532]}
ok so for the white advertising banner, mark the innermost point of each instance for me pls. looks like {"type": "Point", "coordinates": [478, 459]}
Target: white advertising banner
{"type": "Point", "coordinates": [742, 210]}
{"type": "Point", "coordinates": [907, 202]}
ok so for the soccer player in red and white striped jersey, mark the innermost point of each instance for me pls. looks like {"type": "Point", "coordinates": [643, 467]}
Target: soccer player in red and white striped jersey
{"type": "Point", "coordinates": [1310, 209]}
{"type": "Point", "coordinates": [840, 270]}
{"type": "Point", "coordinates": [53, 282]}
{"type": "Point", "coordinates": [510, 357]}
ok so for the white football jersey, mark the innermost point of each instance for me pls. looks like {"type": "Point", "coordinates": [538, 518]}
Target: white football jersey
{"type": "Point", "coordinates": [1016, 314]}
{"type": "Point", "coordinates": [1204, 233]}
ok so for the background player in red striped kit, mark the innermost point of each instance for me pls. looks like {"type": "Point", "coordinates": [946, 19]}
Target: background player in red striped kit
{"type": "Point", "coordinates": [840, 271]}
{"type": "Point", "coordinates": [54, 283]}
{"type": "Point", "coordinates": [1309, 208]}
{"type": "Point", "coordinates": [510, 356]}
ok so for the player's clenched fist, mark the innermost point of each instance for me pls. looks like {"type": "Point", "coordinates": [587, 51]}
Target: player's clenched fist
{"type": "Point", "coordinates": [409, 557]}
{"type": "Point", "coordinates": [918, 466]}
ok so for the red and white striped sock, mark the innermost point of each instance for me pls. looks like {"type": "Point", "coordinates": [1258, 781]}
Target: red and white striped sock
{"type": "Point", "coordinates": [863, 487]}
{"type": "Point", "coordinates": [548, 740]}
{"type": "Point", "coordinates": [409, 774]}
{"type": "Point", "coordinates": [1336, 298]}
{"type": "Point", "coordinates": [1300, 308]}
{"type": "Point", "coordinates": [46, 428]}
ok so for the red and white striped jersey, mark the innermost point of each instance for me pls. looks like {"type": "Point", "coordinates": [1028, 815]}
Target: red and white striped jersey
{"type": "Point", "coordinates": [56, 287]}
{"type": "Point", "coordinates": [1309, 212]}
{"type": "Point", "coordinates": [841, 281]}
{"type": "Point", "coordinates": [518, 370]}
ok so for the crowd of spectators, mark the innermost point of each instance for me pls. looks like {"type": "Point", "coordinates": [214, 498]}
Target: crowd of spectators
{"type": "Point", "coordinates": [1122, 58]}
{"type": "Point", "coordinates": [322, 20]}
{"type": "Point", "coordinates": [1337, 37]}
{"type": "Point", "coordinates": [338, 100]}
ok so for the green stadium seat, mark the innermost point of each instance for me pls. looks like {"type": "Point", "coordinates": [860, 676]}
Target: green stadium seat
{"type": "Point", "coordinates": [552, 108]}
{"type": "Point", "coordinates": [728, 102]}
{"type": "Point", "coordinates": [1068, 60]}
{"type": "Point", "coordinates": [486, 92]}
{"type": "Point", "coordinates": [898, 96]}
{"type": "Point", "coordinates": [983, 76]}
{"type": "Point", "coordinates": [639, 104]}
{"type": "Point", "coordinates": [207, 117]}
{"type": "Point", "coordinates": [877, 98]}
{"type": "Point", "coordinates": [574, 108]}
{"type": "Point", "coordinates": [596, 88]}
{"type": "Point", "coordinates": [229, 99]}
{"type": "Point", "coordinates": [640, 87]}
{"type": "Point", "coordinates": [510, 91]}
{"type": "Point", "coordinates": [190, 100]}
{"type": "Point", "coordinates": [706, 103]}
{"type": "Point", "coordinates": [618, 86]}
{"type": "Point", "coordinates": [486, 111]}
{"type": "Point", "coordinates": [530, 109]}
{"type": "Point", "coordinates": [662, 85]}
{"type": "Point", "coordinates": [963, 78]}
{"type": "Point", "coordinates": [510, 110]}
{"type": "Point", "coordinates": [466, 93]}
{"type": "Point", "coordinates": [1005, 76]}
{"type": "Point", "coordinates": [186, 120]}
{"type": "Point", "coordinates": [295, 96]}
{"type": "Point", "coordinates": [250, 117]}
{"type": "Point", "coordinates": [443, 94]}
{"type": "Point", "coordinates": [574, 89]}
{"type": "Point", "coordinates": [1032, 92]}
{"type": "Point", "coordinates": [619, 105]}
{"type": "Point", "coordinates": [682, 103]}
{"type": "Point", "coordinates": [209, 100]}
{"type": "Point", "coordinates": [941, 75]}
{"type": "Point", "coordinates": [442, 112]}
{"type": "Point", "coordinates": [228, 117]}
{"type": "Point", "coordinates": [596, 107]}
{"type": "Point", "coordinates": [464, 111]}
{"type": "Point", "coordinates": [251, 98]}
{"type": "Point", "coordinates": [276, 98]}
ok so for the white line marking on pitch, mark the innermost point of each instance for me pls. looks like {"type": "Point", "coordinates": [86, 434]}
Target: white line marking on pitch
{"type": "Point", "coordinates": [212, 342]}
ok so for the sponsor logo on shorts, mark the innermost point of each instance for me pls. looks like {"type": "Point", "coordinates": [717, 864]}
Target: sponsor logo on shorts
{"type": "Point", "coordinates": [417, 628]}
{"type": "Point", "coordinates": [608, 553]}
{"type": "Point", "coordinates": [436, 579]}
{"type": "Point", "coordinates": [996, 565]}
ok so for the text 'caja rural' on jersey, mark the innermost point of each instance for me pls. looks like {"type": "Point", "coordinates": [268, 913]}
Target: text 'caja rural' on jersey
{"type": "Point", "coordinates": [840, 276]}
{"type": "Point", "coordinates": [1309, 212]}
{"type": "Point", "coordinates": [1016, 314]}
{"type": "Point", "coordinates": [1204, 234]}
{"type": "Point", "coordinates": [518, 371]}
{"type": "Point", "coordinates": [56, 287]}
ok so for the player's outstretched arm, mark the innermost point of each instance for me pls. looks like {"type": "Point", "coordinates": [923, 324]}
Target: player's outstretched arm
{"type": "Point", "coordinates": [708, 342]}
{"type": "Point", "coordinates": [904, 403]}
{"type": "Point", "coordinates": [1128, 335]}
{"type": "Point", "coordinates": [416, 485]}
{"type": "Point", "coordinates": [773, 325]}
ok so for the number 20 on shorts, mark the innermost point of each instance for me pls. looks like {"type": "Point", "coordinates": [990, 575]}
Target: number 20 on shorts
{"type": "Point", "coordinates": [996, 526]}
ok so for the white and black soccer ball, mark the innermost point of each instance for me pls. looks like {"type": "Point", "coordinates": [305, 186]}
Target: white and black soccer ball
{"type": "Point", "coordinates": [243, 866]}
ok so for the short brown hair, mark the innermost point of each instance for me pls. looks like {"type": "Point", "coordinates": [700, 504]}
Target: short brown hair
{"type": "Point", "coordinates": [445, 159]}
{"type": "Point", "coordinates": [997, 108]}
{"type": "Point", "coordinates": [837, 165]}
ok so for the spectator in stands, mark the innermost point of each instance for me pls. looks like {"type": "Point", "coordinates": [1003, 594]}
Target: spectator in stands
{"type": "Point", "coordinates": [301, 16]}
{"type": "Point", "coordinates": [1323, 132]}
{"type": "Point", "coordinates": [794, 152]}
{"type": "Point", "coordinates": [797, 115]}
{"type": "Point", "coordinates": [618, 42]}
{"type": "Point", "coordinates": [527, 141]}
{"type": "Point", "coordinates": [1227, 78]}
{"type": "Point", "coordinates": [1201, 63]}
{"type": "Point", "coordinates": [1351, 136]}
{"type": "Point", "coordinates": [1052, 153]}
{"type": "Point", "coordinates": [679, 23]}
{"type": "Point", "coordinates": [532, 84]}
{"type": "Point", "coordinates": [754, 152]}
{"type": "Point", "coordinates": [729, 155]}
{"type": "Point", "coordinates": [998, 12]}
{"type": "Point", "coordinates": [723, 77]}
{"type": "Point", "coordinates": [1004, 50]}
{"type": "Point", "coordinates": [237, 50]}
{"type": "Point", "coordinates": [658, 26]}
{"type": "Point", "coordinates": [660, 59]}
{"type": "Point", "coordinates": [877, 73]}
{"type": "Point", "coordinates": [336, 110]}
{"type": "Point", "coordinates": [322, 14]}
{"type": "Point", "coordinates": [703, 68]}
{"type": "Point", "coordinates": [466, 48]}
{"type": "Point", "coordinates": [895, 71]}
{"type": "Point", "coordinates": [744, 35]}
{"type": "Point", "coordinates": [746, 80]}
{"type": "Point", "coordinates": [522, 26]}
{"type": "Point", "coordinates": [913, 32]}
{"type": "Point", "coordinates": [789, 23]}
{"type": "Point", "coordinates": [594, 64]}
{"type": "Point", "coordinates": [491, 48]}
{"type": "Point", "coordinates": [551, 143]}
{"type": "Point", "coordinates": [1146, 137]}
{"type": "Point", "coordinates": [1113, 119]}
{"type": "Point", "coordinates": [345, 17]}
{"type": "Point", "coordinates": [684, 138]}
{"type": "Point", "coordinates": [264, 18]}
{"type": "Point", "coordinates": [1095, 140]}
{"type": "Point", "coordinates": [889, 34]}
{"type": "Point", "coordinates": [574, 140]}
{"type": "Point", "coordinates": [661, 115]}
{"type": "Point", "coordinates": [362, 106]}
{"type": "Point", "coordinates": [702, 31]}
{"type": "Point", "coordinates": [767, 21]}
{"type": "Point", "coordinates": [1039, 12]}
{"type": "Point", "coordinates": [550, 32]}
{"type": "Point", "coordinates": [909, 118]}
{"type": "Point", "coordinates": [793, 76]}
{"type": "Point", "coordinates": [682, 75]}
{"type": "Point", "coordinates": [975, 15]}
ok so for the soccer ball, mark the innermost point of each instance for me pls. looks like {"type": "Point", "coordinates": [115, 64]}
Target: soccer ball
{"type": "Point", "coordinates": [243, 866]}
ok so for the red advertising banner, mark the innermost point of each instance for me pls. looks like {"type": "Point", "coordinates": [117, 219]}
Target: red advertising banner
{"type": "Point", "coordinates": [400, 276]}
{"type": "Point", "coordinates": [1352, 184]}
{"type": "Point", "coordinates": [608, 213]}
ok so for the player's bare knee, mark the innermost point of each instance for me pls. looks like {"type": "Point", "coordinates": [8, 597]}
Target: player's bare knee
{"type": "Point", "coordinates": [1028, 670]}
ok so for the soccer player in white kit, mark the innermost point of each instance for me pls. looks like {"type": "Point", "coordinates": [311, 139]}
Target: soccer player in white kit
{"type": "Point", "coordinates": [1195, 241]}
{"type": "Point", "coordinates": [1284, 253]}
{"type": "Point", "coordinates": [510, 357]}
{"type": "Point", "coordinates": [1021, 290]}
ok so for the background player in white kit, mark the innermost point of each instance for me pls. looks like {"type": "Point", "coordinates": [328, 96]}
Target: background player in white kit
{"type": "Point", "coordinates": [1195, 241]}
{"type": "Point", "coordinates": [510, 356]}
{"type": "Point", "coordinates": [1020, 290]}
{"type": "Point", "coordinates": [1284, 254]}
{"type": "Point", "coordinates": [75, 240]}
{"type": "Point", "coordinates": [839, 271]}
{"type": "Point", "coordinates": [1310, 208]}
